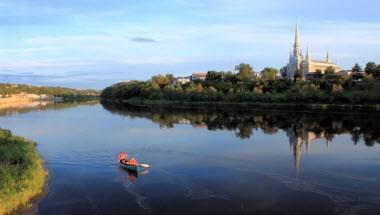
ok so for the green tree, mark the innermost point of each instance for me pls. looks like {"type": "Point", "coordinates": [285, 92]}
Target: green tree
{"type": "Point", "coordinates": [318, 74]}
{"type": "Point", "coordinates": [329, 70]}
{"type": "Point", "coordinates": [284, 71]}
{"type": "Point", "coordinates": [245, 72]}
{"type": "Point", "coordinates": [162, 80]}
{"type": "Point", "coordinates": [230, 77]}
{"type": "Point", "coordinates": [214, 76]}
{"type": "Point", "coordinates": [357, 72]}
{"type": "Point", "coordinates": [298, 75]}
{"type": "Point", "coordinates": [269, 74]}
{"type": "Point", "coordinates": [371, 68]}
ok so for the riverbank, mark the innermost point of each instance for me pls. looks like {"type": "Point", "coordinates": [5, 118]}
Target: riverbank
{"type": "Point", "coordinates": [21, 102]}
{"type": "Point", "coordinates": [288, 106]}
{"type": "Point", "coordinates": [22, 175]}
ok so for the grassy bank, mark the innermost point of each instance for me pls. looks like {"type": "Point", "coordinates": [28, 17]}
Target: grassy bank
{"type": "Point", "coordinates": [22, 175]}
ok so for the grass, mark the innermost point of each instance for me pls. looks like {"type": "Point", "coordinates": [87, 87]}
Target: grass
{"type": "Point", "coordinates": [22, 175]}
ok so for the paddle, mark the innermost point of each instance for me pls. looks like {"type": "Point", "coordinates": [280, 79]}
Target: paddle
{"type": "Point", "coordinates": [143, 165]}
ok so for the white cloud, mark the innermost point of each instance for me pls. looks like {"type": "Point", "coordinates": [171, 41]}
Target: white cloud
{"type": "Point", "coordinates": [267, 43]}
{"type": "Point", "coordinates": [40, 64]}
{"type": "Point", "coordinates": [27, 50]}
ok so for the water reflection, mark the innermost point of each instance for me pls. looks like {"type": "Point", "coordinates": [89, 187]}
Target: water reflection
{"type": "Point", "coordinates": [132, 176]}
{"type": "Point", "coordinates": [301, 128]}
{"type": "Point", "coordinates": [302, 138]}
{"type": "Point", "coordinates": [44, 105]}
{"type": "Point", "coordinates": [205, 161]}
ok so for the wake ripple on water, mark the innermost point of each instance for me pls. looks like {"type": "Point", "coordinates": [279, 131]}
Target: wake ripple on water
{"type": "Point", "coordinates": [141, 200]}
{"type": "Point", "coordinates": [346, 202]}
{"type": "Point", "coordinates": [194, 191]}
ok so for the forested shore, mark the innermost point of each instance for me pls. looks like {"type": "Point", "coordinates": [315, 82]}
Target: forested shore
{"type": "Point", "coordinates": [360, 87]}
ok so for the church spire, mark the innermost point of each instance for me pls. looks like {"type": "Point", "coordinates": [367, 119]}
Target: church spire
{"type": "Point", "coordinates": [328, 56]}
{"type": "Point", "coordinates": [297, 42]}
{"type": "Point", "coordinates": [308, 55]}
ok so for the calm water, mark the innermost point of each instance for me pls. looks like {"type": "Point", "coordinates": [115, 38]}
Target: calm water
{"type": "Point", "coordinates": [204, 161]}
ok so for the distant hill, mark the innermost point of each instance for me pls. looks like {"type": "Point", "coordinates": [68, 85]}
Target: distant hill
{"type": "Point", "coordinates": [7, 90]}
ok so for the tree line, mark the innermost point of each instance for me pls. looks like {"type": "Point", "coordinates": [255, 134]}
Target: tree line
{"type": "Point", "coordinates": [7, 90]}
{"type": "Point", "coordinates": [361, 87]}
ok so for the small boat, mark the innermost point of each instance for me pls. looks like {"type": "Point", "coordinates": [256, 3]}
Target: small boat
{"type": "Point", "coordinates": [136, 168]}
{"type": "Point", "coordinates": [129, 167]}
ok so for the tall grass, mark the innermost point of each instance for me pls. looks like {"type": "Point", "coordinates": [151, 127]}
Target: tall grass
{"type": "Point", "coordinates": [22, 175]}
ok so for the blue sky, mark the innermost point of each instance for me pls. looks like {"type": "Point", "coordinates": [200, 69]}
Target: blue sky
{"type": "Point", "coordinates": [94, 43]}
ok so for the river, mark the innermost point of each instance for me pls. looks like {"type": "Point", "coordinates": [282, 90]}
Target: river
{"type": "Point", "coordinates": [204, 161]}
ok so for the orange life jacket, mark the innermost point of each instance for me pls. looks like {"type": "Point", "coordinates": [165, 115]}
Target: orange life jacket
{"type": "Point", "coordinates": [132, 161]}
{"type": "Point", "coordinates": [122, 156]}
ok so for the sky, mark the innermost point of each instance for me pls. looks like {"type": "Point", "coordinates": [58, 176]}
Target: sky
{"type": "Point", "coordinates": [95, 43]}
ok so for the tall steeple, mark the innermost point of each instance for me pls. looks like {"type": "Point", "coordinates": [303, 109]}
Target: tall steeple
{"type": "Point", "coordinates": [308, 55]}
{"type": "Point", "coordinates": [297, 42]}
{"type": "Point", "coordinates": [296, 59]}
{"type": "Point", "coordinates": [328, 56]}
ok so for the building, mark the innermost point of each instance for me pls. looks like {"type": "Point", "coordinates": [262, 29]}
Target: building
{"type": "Point", "coordinates": [199, 76]}
{"type": "Point", "coordinates": [256, 74]}
{"type": "Point", "coordinates": [306, 66]}
{"type": "Point", "coordinates": [181, 80]}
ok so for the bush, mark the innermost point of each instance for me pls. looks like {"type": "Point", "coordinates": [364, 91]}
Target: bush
{"type": "Point", "coordinates": [21, 172]}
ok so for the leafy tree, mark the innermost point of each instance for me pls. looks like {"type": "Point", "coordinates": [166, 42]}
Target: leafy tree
{"type": "Point", "coordinates": [230, 77]}
{"type": "Point", "coordinates": [162, 80]}
{"type": "Point", "coordinates": [214, 76]}
{"type": "Point", "coordinates": [329, 70]}
{"type": "Point", "coordinates": [269, 74]}
{"type": "Point", "coordinates": [284, 71]}
{"type": "Point", "coordinates": [245, 72]}
{"type": "Point", "coordinates": [212, 89]}
{"type": "Point", "coordinates": [151, 85]}
{"type": "Point", "coordinates": [371, 68]}
{"type": "Point", "coordinates": [318, 74]}
{"type": "Point", "coordinates": [357, 72]}
{"type": "Point", "coordinates": [298, 75]}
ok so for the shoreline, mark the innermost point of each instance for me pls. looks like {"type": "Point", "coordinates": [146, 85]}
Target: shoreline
{"type": "Point", "coordinates": [24, 175]}
{"type": "Point", "coordinates": [288, 106]}
{"type": "Point", "coordinates": [22, 102]}
{"type": "Point", "coordinates": [30, 208]}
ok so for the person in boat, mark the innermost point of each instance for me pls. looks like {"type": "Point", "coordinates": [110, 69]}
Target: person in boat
{"type": "Point", "coordinates": [132, 161]}
{"type": "Point", "coordinates": [123, 157]}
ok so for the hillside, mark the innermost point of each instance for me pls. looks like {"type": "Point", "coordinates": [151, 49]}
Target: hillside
{"type": "Point", "coordinates": [7, 89]}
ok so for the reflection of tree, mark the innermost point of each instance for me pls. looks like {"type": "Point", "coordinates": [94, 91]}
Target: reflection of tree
{"type": "Point", "coordinates": [244, 132]}
{"type": "Point", "coordinates": [307, 125]}
{"type": "Point", "coordinates": [301, 128]}
{"type": "Point", "coordinates": [46, 106]}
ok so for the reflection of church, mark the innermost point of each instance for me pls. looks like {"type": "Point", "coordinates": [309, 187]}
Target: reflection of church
{"type": "Point", "coordinates": [299, 138]}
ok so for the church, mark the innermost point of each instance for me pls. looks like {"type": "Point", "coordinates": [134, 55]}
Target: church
{"type": "Point", "coordinates": [306, 66]}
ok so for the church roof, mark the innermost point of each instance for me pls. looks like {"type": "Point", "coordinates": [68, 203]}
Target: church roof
{"type": "Point", "coordinates": [323, 62]}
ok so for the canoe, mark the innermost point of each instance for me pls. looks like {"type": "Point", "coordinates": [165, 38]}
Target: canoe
{"type": "Point", "coordinates": [130, 167]}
